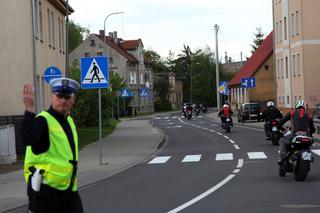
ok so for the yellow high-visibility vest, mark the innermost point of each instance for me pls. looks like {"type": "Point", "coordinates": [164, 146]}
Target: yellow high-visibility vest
{"type": "Point", "coordinates": [56, 160]}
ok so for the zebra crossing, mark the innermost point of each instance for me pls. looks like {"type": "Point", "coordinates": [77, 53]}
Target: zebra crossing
{"type": "Point", "coordinates": [218, 157]}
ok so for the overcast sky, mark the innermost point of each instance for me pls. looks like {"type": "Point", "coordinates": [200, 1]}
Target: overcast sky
{"type": "Point", "coordinates": [168, 24]}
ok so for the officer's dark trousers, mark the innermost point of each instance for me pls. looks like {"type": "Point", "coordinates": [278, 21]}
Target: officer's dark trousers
{"type": "Point", "coordinates": [49, 200]}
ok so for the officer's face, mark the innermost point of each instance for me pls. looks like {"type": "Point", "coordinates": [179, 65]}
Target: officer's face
{"type": "Point", "coordinates": [62, 103]}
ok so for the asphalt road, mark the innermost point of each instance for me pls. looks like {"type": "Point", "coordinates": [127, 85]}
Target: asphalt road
{"type": "Point", "coordinates": [202, 169]}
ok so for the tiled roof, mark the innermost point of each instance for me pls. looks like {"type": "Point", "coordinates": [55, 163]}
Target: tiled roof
{"type": "Point", "coordinates": [257, 59]}
{"type": "Point", "coordinates": [130, 44]}
{"type": "Point", "coordinates": [114, 46]}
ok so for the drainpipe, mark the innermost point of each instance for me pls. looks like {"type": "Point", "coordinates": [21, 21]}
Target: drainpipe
{"type": "Point", "coordinates": [34, 57]}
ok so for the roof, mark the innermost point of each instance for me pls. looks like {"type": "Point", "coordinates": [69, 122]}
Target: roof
{"type": "Point", "coordinates": [121, 51]}
{"type": "Point", "coordinates": [257, 59]}
{"type": "Point", "coordinates": [130, 44]}
{"type": "Point", "coordinates": [61, 5]}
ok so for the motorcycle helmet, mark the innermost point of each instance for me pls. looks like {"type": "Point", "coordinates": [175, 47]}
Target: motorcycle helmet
{"type": "Point", "coordinates": [270, 104]}
{"type": "Point", "coordinates": [225, 106]}
{"type": "Point", "coordinates": [301, 103]}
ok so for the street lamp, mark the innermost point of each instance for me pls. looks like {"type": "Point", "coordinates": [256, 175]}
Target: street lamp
{"type": "Point", "coordinates": [104, 24]}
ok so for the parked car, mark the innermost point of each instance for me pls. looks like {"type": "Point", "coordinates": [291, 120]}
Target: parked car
{"type": "Point", "coordinates": [249, 111]}
{"type": "Point", "coordinates": [316, 112]}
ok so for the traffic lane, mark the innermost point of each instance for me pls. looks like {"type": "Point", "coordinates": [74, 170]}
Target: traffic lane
{"type": "Point", "coordinates": [154, 188]}
{"type": "Point", "coordinates": [192, 139]}
{"type": "Point", "coordinates": [258, 188]}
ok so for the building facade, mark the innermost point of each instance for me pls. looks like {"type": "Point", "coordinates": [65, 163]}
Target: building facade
{"type": "Point", "coordinates": [175, 91]}
{"type": "Point", "coordinates": [260, 66]}
{"type": "Point", "coordinates": [297, 50]}
{"type": "Point", "coordinates": [125, 58]}
{"type": "Point", "coordinates": [32, 39]}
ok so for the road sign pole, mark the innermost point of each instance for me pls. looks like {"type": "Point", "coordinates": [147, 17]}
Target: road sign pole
{"type": "Point", "coordinates": [100, 127]}
{"type": "Point", "coordinates": [118, 109]}
{"type": "Point", "coordinates": [124, 107]}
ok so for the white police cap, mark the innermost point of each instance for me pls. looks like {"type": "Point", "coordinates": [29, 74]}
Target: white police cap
{"type": "Point", "coordinates": [64, 85]}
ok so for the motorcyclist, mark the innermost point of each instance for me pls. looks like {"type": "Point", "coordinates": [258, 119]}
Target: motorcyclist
{"type": "Point", "coordinates": [269, 114]}
{"type": "Point", "coordinates": [224, 112]}
{"type": "Point", "coordinates": [189, 108]}
{"type": "Point", "coordinates": [197, 109]}
{"type": "Point", "coordinates": [300, 120]}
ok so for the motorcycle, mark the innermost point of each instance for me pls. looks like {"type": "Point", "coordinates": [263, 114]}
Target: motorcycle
{"type": "Point", "coordinates": [189, 114]}
{"type": "Point", "coordinates": [275, 133]}
{"type": "Point", "coordinates": [299, 157]}
{"type": "Point", "coordinates": [197, 110]}
{"type": "Point", "coordinates": [226, 125]}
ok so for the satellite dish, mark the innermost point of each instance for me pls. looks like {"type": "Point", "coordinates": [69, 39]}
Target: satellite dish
{"type": "Point", "coordinates": [147, 84]}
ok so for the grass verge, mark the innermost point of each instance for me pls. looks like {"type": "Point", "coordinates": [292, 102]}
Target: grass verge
{"type": "Point", "coordinates": [88, 135]}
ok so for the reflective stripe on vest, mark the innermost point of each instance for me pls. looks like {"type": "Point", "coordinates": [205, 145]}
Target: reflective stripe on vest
{"type": "Point", "coordinates": [55, 161]}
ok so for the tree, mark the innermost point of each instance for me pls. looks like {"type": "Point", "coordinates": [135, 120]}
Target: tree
{"type": "Point", "coordinates": [156, 61]}
{"type": "Point", "coordinates": [76, 35]}
{"type": "Point", "coordinates": [258, 39]}
{"type": "Point", "coordinates": [161, 87]}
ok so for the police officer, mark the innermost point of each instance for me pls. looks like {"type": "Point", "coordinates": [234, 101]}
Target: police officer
{"type": "Point", "coordinates": [52, 150]}
{"type": "Point", "coordinates": [300, 121]}
{"type": "Point", "coordinates": [269, 114]}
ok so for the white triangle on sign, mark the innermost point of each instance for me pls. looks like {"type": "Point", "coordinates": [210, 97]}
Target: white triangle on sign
{"type": "Point", "coordinates": [125, 93]}
{"type": "Point", "coordinates": [144, 93]}
{"type": "Point", "coordinates": [94, 74]}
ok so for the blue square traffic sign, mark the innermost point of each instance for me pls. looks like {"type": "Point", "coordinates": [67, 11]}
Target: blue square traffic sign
{"type": "Point", "coordinates": [94, 72]}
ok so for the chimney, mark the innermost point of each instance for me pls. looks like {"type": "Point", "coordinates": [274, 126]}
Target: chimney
{"type": "Point", "coordinates": [115, 37]}
{"type": "Point", "coordinates": [101, 33]}
{"type": "Point", "coordinates": [110, 34]}
{"type": "Point", "coordinates": [226, 57]}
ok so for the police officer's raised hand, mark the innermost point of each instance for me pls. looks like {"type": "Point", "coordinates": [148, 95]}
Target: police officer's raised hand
{"type": "Point", "coordinates": [28, 97]}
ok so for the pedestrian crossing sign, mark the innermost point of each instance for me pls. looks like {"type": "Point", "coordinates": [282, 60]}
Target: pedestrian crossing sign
{"type": "Point", "coordinates": [143, 92]}
{"type": "Point", "coordinates": [125, 93]}
{"type": "Point", "coordinates": [94, 72]}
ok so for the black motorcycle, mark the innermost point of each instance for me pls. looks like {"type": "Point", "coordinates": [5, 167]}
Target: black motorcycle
{"type": "Point", "coordinates": [275, 132]}
{"type": "Point", "coordinates": [189, 114]}
{"type": "Point", "coordinates": [299, 157]}
{"type": "Point", "coordinates": [226, 125]}
{"type": "Point", "coordinates": [197, 110]}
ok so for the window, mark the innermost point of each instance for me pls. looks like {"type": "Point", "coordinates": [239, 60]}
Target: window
{"type": "Point", "coordinates": [292, 24]}
{"type": "Point", "coordinates": [297, 23]}
{"type": "Point", "coordinates": [298, 64]}
{"type": "Point", "coordinates": [99, 53]}
{"type": "Point", "coordinates": [62, 35]}
{"type": "Point", "coordinates": [86, 54]}
{"type": "Point", "coordinates": [288, 99]}
{"type": "Point", "coordinates": [133, 78]}
{"type": "Point", "coordinates": [281, 68]}
{"type": "Point", "coordinates": [40, 21]}
{"type": "Point", "coordinates": [52, 26]}
{"type": "Point", "coordinates": [285, 28]}
{"type": "Point", "coordinates": [294, 65]}
{"type": "Point", "coordinates": [36, 21]}
{"type": "Point", "coordinates": [92, 43]}
{"type": "Point", "coordinates": [59, 28]}
{"type": "Point", "coordinates": [49, 27]}
{"type": "Point", "coordinates": [277, 32]}
{"type": "Point", "coordinates": [141, 78]}
{"type": "Point", "coordinates": [280, 35]}
{"type": "Point", "coordinates": [287, 68]}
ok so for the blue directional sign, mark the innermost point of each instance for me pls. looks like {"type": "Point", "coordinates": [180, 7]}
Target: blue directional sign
{"type": "Point", "coordinates": [126, 93]}
{"type": "Point", "coordinates": [51, 73]}
{"type": "Point", "coordinates": [248, 82]}
{"type": "Point", "coordinates": [94, 72]}
{"type": "Point", "coordinates": [223, 88]}
{"type": "Point", "coordinates": [143, 92]}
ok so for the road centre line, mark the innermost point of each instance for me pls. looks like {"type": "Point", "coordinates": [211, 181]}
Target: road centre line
{"type": "Point", "coordinates": [240, 163]}
{"type": "Point", "coordinates": [203, 195]}
{"type": "Point", "coordinates": [236, 147]}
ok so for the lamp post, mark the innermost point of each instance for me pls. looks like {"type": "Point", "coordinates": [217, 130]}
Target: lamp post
{"type": "Point", "coordinates": [191, 80]}
{"type": "Point", "coordinates": [99, 90]}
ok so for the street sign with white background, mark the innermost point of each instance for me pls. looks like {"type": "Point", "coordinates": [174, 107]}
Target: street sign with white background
{"type": "Point", "coordinates": [51, 73]}
{"type": "Point", "coordinates": [94, 72]}
{"type": "Point", "coordinates": [248, 82]}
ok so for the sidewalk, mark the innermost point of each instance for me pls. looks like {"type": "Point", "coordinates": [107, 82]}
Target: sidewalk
{"type": "Point", "coordinates": [131, 142]}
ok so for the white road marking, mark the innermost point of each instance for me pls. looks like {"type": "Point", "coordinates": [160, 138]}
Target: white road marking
{"type": "Point", "coordinates": [203, 195]}
{"type": "Point", "coordinates": [176, 126]}
{"type": "Point", "coordinates": [240, 163]}
{"type": "Point", "coordinates": [316, 151]}
{"type": "Point", "coordinates": [162, 159]}
{"type": "Point", "coordinates": [236, 171]}
{"type": "Point", "coordinates": [212, 131]}
{"type": "Point", "coordinates": [219, 133]}
{"type": "Point", "coordinates": [157, 118]}
{"type": "Point", "coordinates": [174, 117]}
{"type": "Point", "coordinates": [256, 155]}
{"type": "Point", "coordinates": [191, 158]}
{"type": "Point", "coordinates": [166, 117]}
{"type": "Point", "coordinates": [170, 123]}
{"type": "Point", "coordinates": [236, 147]}
{"type": "Point", "coordinates": [232, 141]}
{"type": "Point", "coordinates": [225, 156]}
{"type": "Point", "coordinates": [226, 137]}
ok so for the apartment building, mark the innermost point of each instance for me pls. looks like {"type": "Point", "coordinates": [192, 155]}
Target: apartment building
{"type": "Point", "coordinates": [125, 58]}
{"type": "Point", "coordinates": [32, 38]}
{"type": "Point", "coordinates": [297, 50]}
